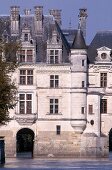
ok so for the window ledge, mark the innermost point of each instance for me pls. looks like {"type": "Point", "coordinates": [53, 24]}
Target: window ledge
{"type": "Point", "coordinates": [53, 114]}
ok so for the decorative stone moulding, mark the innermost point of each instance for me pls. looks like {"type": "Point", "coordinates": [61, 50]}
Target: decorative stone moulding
{"type": "Point", "coordinates": [78, 125]}
{"type": "Point", "coordinates": [26, 119]}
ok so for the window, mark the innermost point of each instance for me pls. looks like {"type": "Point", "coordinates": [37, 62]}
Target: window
{"type": "Point", "coordinates": [82, 110]}
{"type": "Point", "coordinates": [54, 81]}
{"type": "Point", "coordinates": [54, 106]}
{"type": "Point", "coordinates": [25, 37]}
{"type": "Point", "coordinates": [90, 109]}
{"type": "Point", "coordinates": [82, 83]}
{"type": "Point", "coordinates": [22, 56]}
{"type": "Point", "coordinates": [103, 79]}
{"type": "Point", "coordinates": [29, 55]}
{"type": "Point", "coordinates": [25, 103]}
{"type": "Point", "coordinates": [103, 106]}
{"type": "Point", "coordinates": [54, 56]}
{"type": "Point", "coordinates": [103, 56]}
{"type": "Point", "coordinates": [58, 129]}
{"type": "Point", "coordinates": [82, 62]}
{"type": "Point", "coordinates": [26, 77]}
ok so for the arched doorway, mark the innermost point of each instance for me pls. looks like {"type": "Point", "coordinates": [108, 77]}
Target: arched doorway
{"type": "Point", "coordinates": [24, 146]}
{"type": "Point", "coordinates": [110, 140]}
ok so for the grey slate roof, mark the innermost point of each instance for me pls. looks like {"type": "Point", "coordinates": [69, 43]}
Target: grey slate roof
{"type": "Point", "coordinates": [79, 42]}
{"type": "Point", "coordinates": [102, 38]}
{"type": "Point", "coordinates": [67, 35]}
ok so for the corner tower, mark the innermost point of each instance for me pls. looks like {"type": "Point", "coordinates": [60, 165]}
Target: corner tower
{"type": "Point", "coordinates": [78, 83]}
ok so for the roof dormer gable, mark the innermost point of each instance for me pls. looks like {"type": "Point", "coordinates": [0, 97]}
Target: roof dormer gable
{"type": "Point", "coordinates": [103, 55]}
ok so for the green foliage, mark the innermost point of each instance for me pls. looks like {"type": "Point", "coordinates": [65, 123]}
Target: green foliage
{"type": "Point", "coordinates": [8, 89]}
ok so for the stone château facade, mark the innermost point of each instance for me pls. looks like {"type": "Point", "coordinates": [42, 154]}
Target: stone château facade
{"type": "Point", "coordinates": [64, 87]}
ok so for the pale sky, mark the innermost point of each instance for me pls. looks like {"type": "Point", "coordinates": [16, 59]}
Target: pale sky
{"type": "Point", "coordinates": [99, 12]}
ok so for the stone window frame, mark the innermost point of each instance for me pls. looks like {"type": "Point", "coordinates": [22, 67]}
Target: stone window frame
{"type": "Point", "coordinates": [54, 81]}
{"type": "Point", "coordinates": [53, 106]}
{"type": "Point", "coordinates": [54, 56]}
{"type": "Point", "coordinates": [103, 106]}
{"type": "Point", "coordinates": [90, 109]}
{"type": "Point", "coordinates": [26, 76]}
{"type": "Point", "coordinates": [103, 79]}
{"type": "Point", "coordinates": [26, 56]}
{"type": "Point", "coordinates": [25, 101]}
{"type": "Point", "coordinates": [58, 129]}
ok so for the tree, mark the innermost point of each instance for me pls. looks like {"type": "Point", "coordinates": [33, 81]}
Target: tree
{"type": "Point", "coordinates": [8, 63]}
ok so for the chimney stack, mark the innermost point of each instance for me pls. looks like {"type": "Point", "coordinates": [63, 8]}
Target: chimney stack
{"type": "Point", "coordinates": [38, 20]}
{"type": "Point", "coordinates": [14, 20]}
{"type": "Point", "coordinates": [56, 14]}
{"type": "Point", "coordinates": [82, 20]}
{"type": "Point", "coordinates": [27, 11]}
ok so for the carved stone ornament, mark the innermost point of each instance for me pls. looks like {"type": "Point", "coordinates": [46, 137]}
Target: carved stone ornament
{"type": "Point", "coordinates": [26, 119]}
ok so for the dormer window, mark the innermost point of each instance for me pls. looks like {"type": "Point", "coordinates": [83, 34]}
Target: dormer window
{"type": "Point", "coordinates": [25, 37]}
{"type": "Point", "coordinates": [54, 57]}
{"type": "Point", "coordinates": [25, 56]}
{"type": "Point", "coordinates": [103, 56]}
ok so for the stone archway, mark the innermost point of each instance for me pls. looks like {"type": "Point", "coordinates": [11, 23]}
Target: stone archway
{"type": "Point", "coordinates": [110, 140]}
{"type": "Point", "coordinates": [25, 142]}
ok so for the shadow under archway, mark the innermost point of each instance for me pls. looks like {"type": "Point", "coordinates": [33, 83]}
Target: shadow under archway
{"type": "Point", "coordinates": [25, 142]}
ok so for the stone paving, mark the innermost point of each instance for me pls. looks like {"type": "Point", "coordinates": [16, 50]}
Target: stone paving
{"type": "Point", "coordinates": [58, 164]}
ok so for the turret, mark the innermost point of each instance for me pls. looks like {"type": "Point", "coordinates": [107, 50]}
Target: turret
{"type": "Point", "coordinates": [78, 83]}
{"type": "Point", "coordinates": [38, 20]}
{"type": "Point", "coordinates": [82, 20]}
{"type": "Point", "coordinates": [14, 20]}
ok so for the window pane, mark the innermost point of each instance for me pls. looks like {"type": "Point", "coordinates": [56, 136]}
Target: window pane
{"type": "Point", "coordinates": [51, 83]}
{"type": "Point", "coordinates": [58, 129]}
{"type": "Point", "coordinates": [26, 37]}
{"type": "Point", "coordinates": [56, 52]}
{"type": "Point", "coordinates": [22, 107]}
{"type": "Point", "coordinates": [51, 52]}
{"type": "Point", "coordinates": [51, 108]}
{"type": "Point", "coordinates": [56, 60]}
{"type": "Point", "coordinates": [103, 106]}
{"type": "Point", "coordinates": [30, 80]}
{"type": "Point", "coordinates": [82, 110]}
{"type": "Point", "coordinates": [52, 77]}
{"type": "Point", "coordinates": [22, 80]}
{"type": "Point", "coordinates": [22, 97]}
{"type": "Point", "coordinates": [28, 107]}
{"type": "Point", "coordinates": [51, 59]}
{"type": "Point", "coordinates": [90, 109]}
{"type": "Point", "coordinates": [28, 97]}
{"type": "Point", "coordinates": [29, 72]}
{"type": "Point", "coordinates": [29, 58]}
{"type": "Point", "coordinates": [82, 62]}
{"type": "Point", "coordinates": [22, 72]}
{"type": "Point", "coordinates": [56, 83]}
{"type": "Point", "coordinates": [56, 76]}
{"type": "Point", "coordinates": [51, 100]}
{"type": "Point", "coordinates": [103, 79]}
{"type": "Point", "coordinates": [22, 58]}
{"type": "Point", "coordinates": [56, 100]}
{"type": "Point", "coordinates": [29, 52]}
{"type": "Point", "coordinates": [56, 108]}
